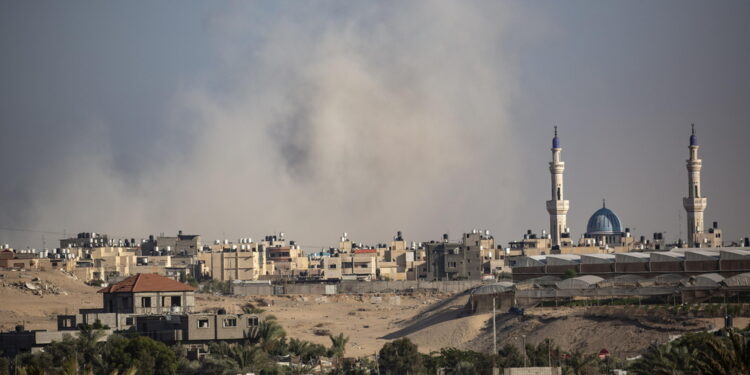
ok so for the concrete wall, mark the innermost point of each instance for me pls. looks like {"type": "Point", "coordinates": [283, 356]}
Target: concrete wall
{"type": "Point", "coordinates": [406, 285]}
{"type": "Point", "coordinates": [532, 371]}
{"type": "Point", "coordinates": [252, 289]}
{"type": "Point", "coordinates": [354, 287]}
{"type": "Point", "coordinates": [482, 303]}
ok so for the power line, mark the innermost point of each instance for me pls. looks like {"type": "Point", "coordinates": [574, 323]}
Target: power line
{"type": "Point", "coordinates": [30, 231]}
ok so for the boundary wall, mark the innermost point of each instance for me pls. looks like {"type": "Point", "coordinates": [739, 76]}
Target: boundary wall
{"type": "Point", "coordinates": [353, 287]}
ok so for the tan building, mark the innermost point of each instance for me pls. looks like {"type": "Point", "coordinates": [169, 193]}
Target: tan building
{"type": "Point", "coordinates": [360, 264]}
{"type": "Point", "coordinates": [245, 262]}
{"type": "Point", "coordinates": [287, 260]}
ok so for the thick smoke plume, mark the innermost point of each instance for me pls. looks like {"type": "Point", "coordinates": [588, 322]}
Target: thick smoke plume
{"type": "Point", "coordinates": [321, 119]}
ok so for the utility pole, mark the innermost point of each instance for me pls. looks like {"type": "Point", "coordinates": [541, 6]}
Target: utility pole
{"type": "Point", "coordinates": [494, 329]}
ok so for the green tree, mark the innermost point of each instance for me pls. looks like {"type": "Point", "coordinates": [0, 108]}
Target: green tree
{"type": "Point", "coordinates": [270, 335]}
{"type": "Point", "coordinates": [87, 345]}
{"type": "Point", "coordinates": [460, 362]}
{"type": "Point", "coordinates": [4, 366]}
{"type": "Point", "coordinates": [724, 355]}
{"type": "Point", "coordinates": [578, 363]}
{"type": "Point", "coordinates": [307, 352]}
{"type": "Point", "coordinates": [509, 356]}
{"type": "Point", "coordinates": [236, 358]}
{"type": "Point", "coordinates": [570, 273]}
{"type": "Point", "coordinates": [338, 346]}
{"type": "Point", "coordinates": [543, 353]}
{"type": "Point", "coordinates": [668, 359]}
{"type": "Point", "coordinates": [149, 357]}
{"type": "Point", "coordinates": [399, 357]}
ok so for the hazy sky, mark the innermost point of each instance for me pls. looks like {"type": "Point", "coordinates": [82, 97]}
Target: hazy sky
{"type": "Point", "coordinates": [239, 119]}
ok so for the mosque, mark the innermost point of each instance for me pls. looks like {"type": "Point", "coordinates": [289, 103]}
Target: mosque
{"type": "Point", "coordinates": [604, 231]}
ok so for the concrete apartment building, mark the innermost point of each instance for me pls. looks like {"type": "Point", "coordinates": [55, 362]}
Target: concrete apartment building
{"type": "Point", "coordinates": [182, 244]}
{"type": "Point", "coordinates": [360, 264]}
{"type": "Point", "coordinates": [85, 240]}
{"type": "Point", "coordinates": [454, 261]}
{"type": "Point", "coordinates": [244, 262]}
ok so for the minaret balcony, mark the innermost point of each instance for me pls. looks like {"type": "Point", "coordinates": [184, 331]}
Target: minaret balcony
{"type": "Point", "coordinates": [556, 207]}
{"type": "Point", "coordinates": [695, 204]}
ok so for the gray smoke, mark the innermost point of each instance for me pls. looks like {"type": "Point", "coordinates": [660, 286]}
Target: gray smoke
{"type": "Point", "coordinates": [321, 119]}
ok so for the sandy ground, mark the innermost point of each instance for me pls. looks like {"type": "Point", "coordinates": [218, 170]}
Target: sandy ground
{"type": "Point", "coordinates": [432, 321]}
{"type": "Point", "coordinates": [38, 309]}
{"type": "Point", "coordinates": [369, 320]}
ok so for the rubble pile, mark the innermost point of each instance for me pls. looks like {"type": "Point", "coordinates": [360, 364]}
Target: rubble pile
{"type": "Point", "coordinates": [37, 287]}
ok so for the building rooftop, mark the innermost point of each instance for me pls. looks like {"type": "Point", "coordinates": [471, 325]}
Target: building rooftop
{"type": "Point", "coordinates": [147, 282]}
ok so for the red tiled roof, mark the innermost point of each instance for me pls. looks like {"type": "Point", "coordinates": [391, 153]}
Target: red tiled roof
{"type": "Point", "coordinates": [147, 282]}
{"type": "Point", "coordinates": [365, 251]}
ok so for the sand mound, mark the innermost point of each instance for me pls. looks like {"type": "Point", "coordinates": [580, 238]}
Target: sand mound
{"type": "Point", "coordinates": [35, 298]}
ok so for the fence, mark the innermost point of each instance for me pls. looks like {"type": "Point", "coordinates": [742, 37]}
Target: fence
{"type": "Point", "coordinates": [353, 287]}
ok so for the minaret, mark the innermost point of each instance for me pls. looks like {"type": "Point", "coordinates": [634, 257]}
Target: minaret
{"type": "Point", "coordinates": [557, 206]}
{"type": "Point", "coordinates": [694, 203]}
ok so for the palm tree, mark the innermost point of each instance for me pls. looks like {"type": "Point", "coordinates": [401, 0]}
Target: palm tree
{"type": "Point", "coordinates": [668, 359]}
{"type": "Point", "coordinates": [269, 335]}
{"type": "Point", "coordinates": [87, 345]}
{"type": "Point", "coordinates": [578, 363]}
{"type": "Point", "coordinates": [338, 346]}
{"type": "Point", "coordinates": [730, 355]}
{"type": "Point", "coordinates": [236, 358]}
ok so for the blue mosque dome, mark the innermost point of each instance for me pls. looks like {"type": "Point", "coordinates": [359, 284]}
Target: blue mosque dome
{"type": "Point", "coordinates": [604, 221]}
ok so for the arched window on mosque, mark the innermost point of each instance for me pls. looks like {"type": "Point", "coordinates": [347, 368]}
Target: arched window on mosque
{"type": "Point", "coordinates": [558, 193]}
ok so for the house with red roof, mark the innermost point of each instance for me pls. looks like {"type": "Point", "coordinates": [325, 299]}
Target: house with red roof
{"type": "Point", "coordinates": [148, 293]}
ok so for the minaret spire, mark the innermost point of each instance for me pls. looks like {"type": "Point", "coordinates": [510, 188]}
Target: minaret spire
{"type": "Point", "coordinates": [604, 203]}
{"type": "Point", "coordinates": [557, 207]}
{"type": "Point", "coordinates": [694, 203]}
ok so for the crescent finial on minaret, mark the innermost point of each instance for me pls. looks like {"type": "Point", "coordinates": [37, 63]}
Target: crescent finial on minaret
{"type": "Point", "coordinates": [693, 137]}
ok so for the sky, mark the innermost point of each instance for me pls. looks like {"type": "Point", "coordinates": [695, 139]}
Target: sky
{"type": "Point", "coordinates": [242, 119]}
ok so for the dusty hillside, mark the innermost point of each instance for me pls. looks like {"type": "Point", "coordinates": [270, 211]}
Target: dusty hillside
{"type": "Point", "coordinates": [34, 298]}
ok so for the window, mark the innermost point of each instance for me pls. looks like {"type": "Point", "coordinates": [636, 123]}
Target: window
{"type": "Point", "coordinates": [129, 321]}
{"type": "Point", "coordinates": [252, 321]}
{"type": "Point", "coordinates": [332, 266]}
{"type": "Point", "coordinates": [230, 322]}
{"type": "Point", "coordinates": [558, 193]}
{"type": "Point", "coordinates": [176, 301]}
{"type": "Point", "coordinates": [203, 323]}
{"type": "Point", "coordinates": [145, 301]}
